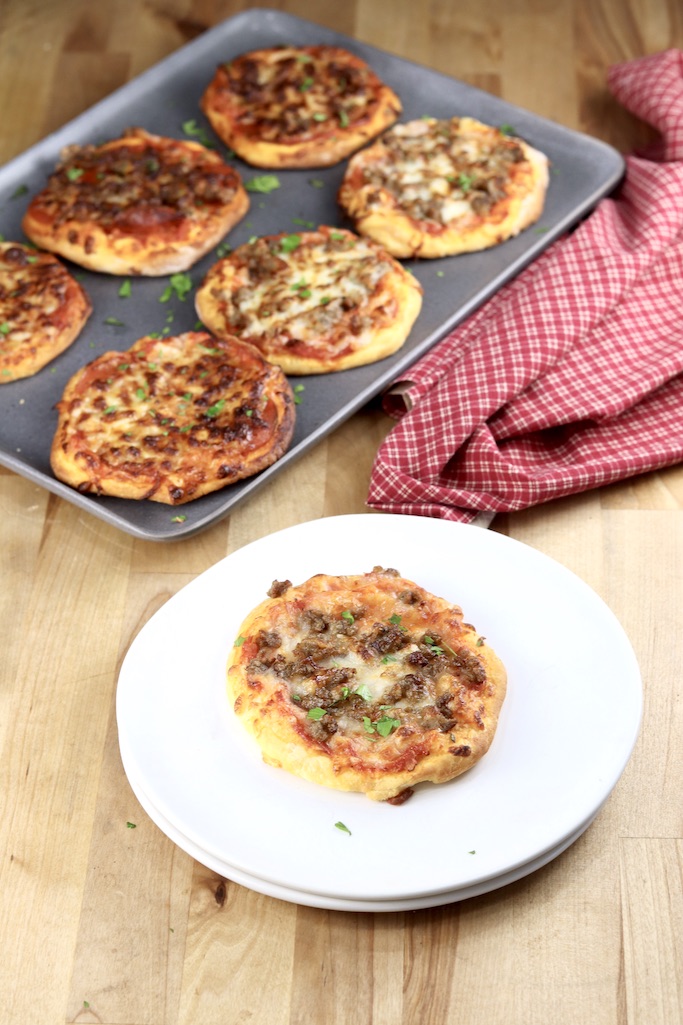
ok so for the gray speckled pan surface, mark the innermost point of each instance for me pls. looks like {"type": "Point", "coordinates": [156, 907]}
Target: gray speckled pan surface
{"type": "Point", "coordinates": [163, 100]}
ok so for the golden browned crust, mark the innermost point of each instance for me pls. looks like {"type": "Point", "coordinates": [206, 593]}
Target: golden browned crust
{"type": "Point", "coordinates": [140, 204]}
{"type": "Point", "coordinates": [433, 188]}
{"type": "Point", "coordinates": [366, 683]}
{"type": "Point", "coordinates": [171, 419]}
{"type": "Point", "coordinates": [42, 310]}
{"type": "Point", "coordinates": [298, 106]}
{"type": "Point", "coordinates": [312, 302]}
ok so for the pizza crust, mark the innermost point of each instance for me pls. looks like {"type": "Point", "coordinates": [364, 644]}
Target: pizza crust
{"type": "Point", "coordinates": [141, 204]}
{"type": "Point", "coordinates": [312, 302]}
{"type": "Point", "coordinates": [365, 683]}
{"type": "Point", "coordinates": [43, 309]}
{"type": "Point", "coordinates": [433, 188]}
{"type": "Point", "coordinates": [171, 419]}
{"type": "Point", "coordinates": [298, 106]}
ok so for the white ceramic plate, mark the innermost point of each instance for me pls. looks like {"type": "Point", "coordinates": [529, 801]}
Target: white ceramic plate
{"type": "Point", "coordinates": [341, 903]}
{"type": "Point", "coordinates": [567, 728]}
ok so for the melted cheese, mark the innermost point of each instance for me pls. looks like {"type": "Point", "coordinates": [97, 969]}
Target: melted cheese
{"type": "Point", "coordinates": [315, 283]}
{"type": "Point", "coordinates": [441, 170]}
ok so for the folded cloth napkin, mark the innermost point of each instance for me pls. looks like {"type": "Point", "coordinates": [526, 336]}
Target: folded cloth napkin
{"type": "Point", "coordinates": [571, 376]}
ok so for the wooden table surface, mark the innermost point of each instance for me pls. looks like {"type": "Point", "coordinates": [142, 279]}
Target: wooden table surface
{"type": "Point", "coordinates": [105, 923]}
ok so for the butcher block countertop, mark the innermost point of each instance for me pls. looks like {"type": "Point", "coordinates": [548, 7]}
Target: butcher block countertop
{"type": "Point", "coordinates": [104, 918]}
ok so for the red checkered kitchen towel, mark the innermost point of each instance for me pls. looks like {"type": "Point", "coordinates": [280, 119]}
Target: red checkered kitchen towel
{"type": "Point", "coordinates": [571, 376]}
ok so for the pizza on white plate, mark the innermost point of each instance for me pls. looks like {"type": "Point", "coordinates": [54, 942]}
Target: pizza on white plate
{"type": "Point", "coordinates": [365, 682]}
{"type": "Point", "coordinates": [43, 309]}
{"type": "Point", "coordinates": [438, 187]}
{"type": "Point", "coordinates": [171, 419]}
{"type": "Point", "coordinates": [313, 302]}
{"type": "Point", "coordinates": [298, 106]}
{"type": "Point", "coordinates": [139, 204]}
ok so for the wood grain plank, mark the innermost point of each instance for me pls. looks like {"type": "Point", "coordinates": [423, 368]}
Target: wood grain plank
{"type": "Point", "coordinates": [651, 619]}
{"type": "Point", "coordinates": [239, 964]}
{"type": "Point", "coordinates": [653, 930]}
{"type": "Point", "coordinates": [131, 935]}
{"type": "Point", "coordinates": [52, 757]}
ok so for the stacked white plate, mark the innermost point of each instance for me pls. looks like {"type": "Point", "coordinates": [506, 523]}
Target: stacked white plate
{"type": "Point", "coordinates": [568, 725]}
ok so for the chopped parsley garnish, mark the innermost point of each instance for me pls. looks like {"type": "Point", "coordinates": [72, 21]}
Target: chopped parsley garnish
{"type": "Point", "coordinates": [465, 182]}
{"type": "Point", "coordinates": [386, 724]}
{"type": "Point", "coordinates": [74, 173]}
{"type": "Point", "coordinates": [240, 641]}
{"type": "Point", "coordinates": [5, 328]}
{"type": "Point", "coordinates": [263, 183]}
{"type": "Point", "coordinates": [306, 84]}
{"type": "Point", "coordinates": [125, 289]}
{"type": "Point", "coordinates": [180, 284]}
{"type": "Point", "coordinates": [395, 619]}
{"type": "Point", "coordinates": [131, 825]}
{"type": "Point", "coordinates": [348, 616]}
{"type": "Point", "coordinates": [507, 129]}
{"type": "Point", "coordinates": [192, 128]}
{"type": "Point", "coordinates": [383, 726]}
{"type": "Point", "coordinates": [364, 692]}
{"type": "Point", "coordinates": [298, 388]}
{"type": "Point", "coordinates": [343, 119]}
{"type": "Point", "coordinates": [342, 828]}
{"type": "Point", "coordinates": [317, 183]}
{"type": "Point", "coordinates": [289, 243]}
{"type": "Point", "coordinates": [114, 322]}
{"type": "Point", "coordinates": [216, 408]}
{"type": "Point", "coordinates": [316, 713]}
{"type": "Point", "coordinates": [319, 117]}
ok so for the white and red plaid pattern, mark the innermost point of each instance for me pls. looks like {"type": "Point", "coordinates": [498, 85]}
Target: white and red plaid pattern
{"type": "Point", "coordinates": [570, 377]}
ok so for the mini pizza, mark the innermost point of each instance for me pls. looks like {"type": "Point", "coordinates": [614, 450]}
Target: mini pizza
{"type": "Point", "coordinates": [171, 419]}
{"type": "Point", "coordinates": [42, 310]}
{"type": "Point", "coordinates": [313, 302]}
{"type": "Point", "coordinates": [433, 188]}
{"type": "Point", "coordinates": [365, 683]}
{"type": "Point", "coordinates": [140, 204]}
{"type": "Point", "coordinates": [298, 106]}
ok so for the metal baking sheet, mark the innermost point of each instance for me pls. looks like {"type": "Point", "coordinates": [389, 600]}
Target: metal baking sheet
{"type": "Point", "coordinates": [165, 100]}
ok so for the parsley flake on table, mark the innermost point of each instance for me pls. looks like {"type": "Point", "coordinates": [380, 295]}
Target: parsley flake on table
{"type": "Point", "coordinates": [342, 828]}
{"type": "Point", "coordinates": [262, 183]}
{"type": "Point", "coordinates": [178, 284]}
{"type": "Point", "coordinates": [191, 127]}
